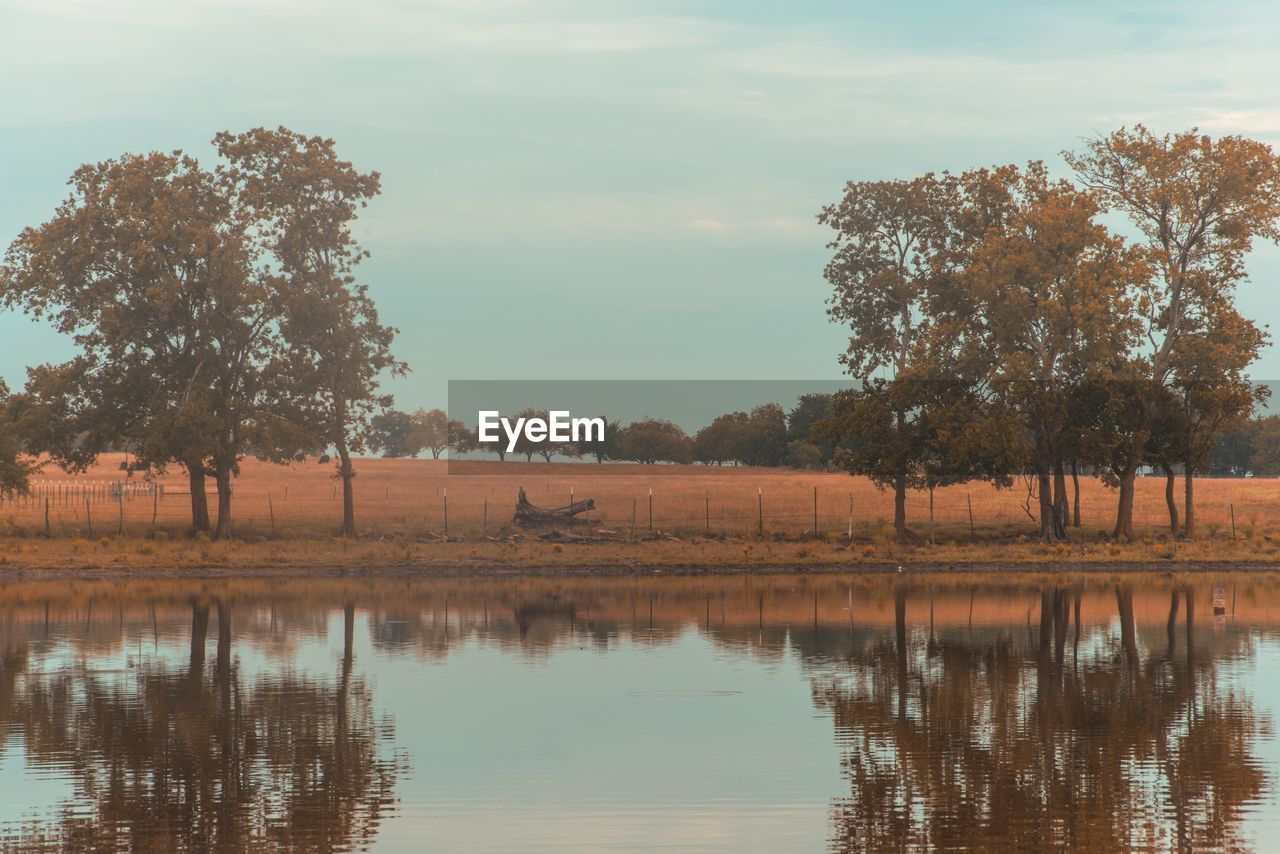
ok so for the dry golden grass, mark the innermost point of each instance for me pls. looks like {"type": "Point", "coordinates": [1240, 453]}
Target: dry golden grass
{"type": "Point", "coordinates": [408, 497]}
{"type": "Point", "coordinates": [402, 501]}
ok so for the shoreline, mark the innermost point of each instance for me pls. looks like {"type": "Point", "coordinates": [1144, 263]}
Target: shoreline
{"type": "Point", "coordinates": [17, 573]}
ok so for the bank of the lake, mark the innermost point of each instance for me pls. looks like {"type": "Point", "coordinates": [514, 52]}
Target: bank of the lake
{"type": "Point", "coordinates": [1061, 571]}
{"type": "Point", "coordinates": [128, 556]}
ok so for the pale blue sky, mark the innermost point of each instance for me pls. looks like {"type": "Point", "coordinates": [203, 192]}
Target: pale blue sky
{"type": "Point", "coordinates": [599, 188]}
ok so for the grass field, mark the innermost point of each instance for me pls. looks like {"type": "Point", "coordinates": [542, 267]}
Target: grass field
{"type": "Point", "coordinates": [287, 514]}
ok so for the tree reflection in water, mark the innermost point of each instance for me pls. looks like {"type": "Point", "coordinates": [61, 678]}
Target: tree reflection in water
{"type": "Point", "coordinates": [1015, 742]}
{"type": "Point", "coordinates": [198, 758]}
{"type": "Point", "coordinates": [1025, 728]}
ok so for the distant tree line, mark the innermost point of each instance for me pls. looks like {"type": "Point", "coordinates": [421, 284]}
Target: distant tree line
{"type": "Point", "coordinates": [1248, 449]}
{"type": "Point", "coordinates": [216, 314]}
{"type": "Point", "coordinates": [767, 435]}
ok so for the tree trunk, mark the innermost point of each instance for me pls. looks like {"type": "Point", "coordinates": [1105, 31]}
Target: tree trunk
{"type": "Point", "coordinates": [199, 501]}
{"type": "Point", "coordinates": [1169, 499]}
{"type": "Point", "coordinates": [1124, 507]}
{"type": "Point", "coordinates": [346, 470]}
{"type": "Point", "coordinates": [223, 479]}
{"type": "Point", "coordinates": [1075, 501]}
{"type": "Point", "coordinates": [1189, 510]}
{"type": "Point", "coordinates": [1061, 515]}
{"type": "Point", "coordinates": [348, 497]}
{"type": "Point", "coordinates": [531, 513]}
{"type": "Point", "coordinates": [900, 507]}
{"type": "Point", "coordinates": [1047, 513]}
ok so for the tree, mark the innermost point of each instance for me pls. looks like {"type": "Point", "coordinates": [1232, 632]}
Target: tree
{"type": "Point", "coordinates": [888, 234]}
{"type": "Point", "coordinates": [809, 410]}
{"type": "Point", "coordinates": [762, 439]}
{"type": "Point", "coordinates": [1264, 447]}
{"type": "Point", "coordinates": [1046, 302]}
{"type": "Point", "coordinates": [1211, 390]}
{"type": "Point", "coordinates": [392, 433]}
{"type": "Point", "coordinates": [545, 448]}
{"type": "Point", "coordinates": [302, 200]}
{"type": "Point", "coordinates": [1199, 204]}
{"type": "Point", "coordinates": [803, 455]}
{"type": "Point", "coordinates": [430, 432]}
{"type": "Point", "coordinates": [606, 448]}
{"type": "Point", "coordinates": [497, 446]}
{"type": "Point", "coordinates": [720, 440]}
{"type": "Point", "coordinates": [949, 437]}
{"type": "Point", "coordinates": [462, 439]}
{"type": "Point", "coordinates": [1234, 449]}
{"type": "Point", "coordinates": [16, 464]}
{"type": "Point", "coordinates": [653, 440]}
{"type": "Point", "coordinates": [147, 266]}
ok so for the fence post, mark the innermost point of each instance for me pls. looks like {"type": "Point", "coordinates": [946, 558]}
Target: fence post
{"type": "Point", "coordinates": [633, 520]}
{"type": "Point", "coordinates": [120, 526]}
{"type": "Point", "coordinates": [446, 515]}
{"type": "Point", "coordinates": [651, 511]}
{"type": "Point", "coordinates": [851, 520]}
{"type": "Point", "coordinates": [485, 522]}
{"type": "Point", "coordinates": [271, 510]}
{"type": "Point", "coordinates": [931, 515]}
{"type": "Point", "coordinates": [707, 511]}
{"type": "Point", "coordinates": [46, 516]}
{"type": "Point", "coordinates": [760, 510]}
{"type": "Point", "coordinates": [1233, 520]}
{"type": "Point", "coordinates": [969, 500]}
{"type": "Point", "coordinates": [815, 512]}
{"type": "Point", "coordinates": [88, 517]}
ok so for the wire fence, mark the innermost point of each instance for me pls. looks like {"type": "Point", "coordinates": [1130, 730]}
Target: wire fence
{"type": "Point", "coordinates": [624, 509]}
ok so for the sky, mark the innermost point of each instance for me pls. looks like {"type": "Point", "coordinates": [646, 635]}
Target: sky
{"type": "Point", "coordinates": [597, 189]}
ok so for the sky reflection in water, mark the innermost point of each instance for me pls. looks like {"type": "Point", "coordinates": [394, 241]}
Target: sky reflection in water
{"type": "Point", "coordinates": [766, 713]}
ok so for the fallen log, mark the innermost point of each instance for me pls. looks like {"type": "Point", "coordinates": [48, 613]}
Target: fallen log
{"type": "Point", "coordinates": [534, 515]}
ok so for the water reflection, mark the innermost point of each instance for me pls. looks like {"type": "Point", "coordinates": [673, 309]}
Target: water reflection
{"type": "Point", "coordinates": [165, 757]}
{"type": "Point", "coordinates": [1028, 713]}
{"type": "Point", "coordinates": [1026, 741]}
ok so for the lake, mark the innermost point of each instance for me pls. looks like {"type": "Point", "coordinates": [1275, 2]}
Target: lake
{"type": "Point", "coordinates": [743, 713]}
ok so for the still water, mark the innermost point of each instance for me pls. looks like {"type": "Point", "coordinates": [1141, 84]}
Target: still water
{"type": "Point", "coordinates": [776, 713]}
